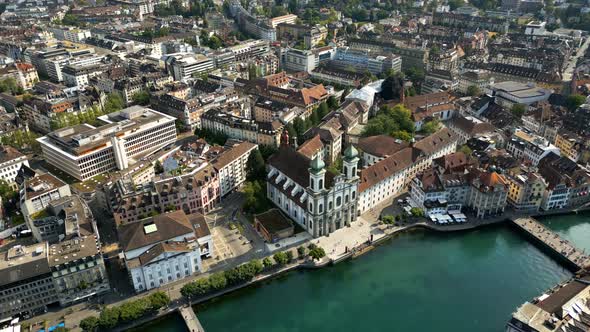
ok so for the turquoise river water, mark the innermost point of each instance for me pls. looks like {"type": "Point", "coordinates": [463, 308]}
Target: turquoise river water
{"type": "Point", "coordinates": [418, 281]}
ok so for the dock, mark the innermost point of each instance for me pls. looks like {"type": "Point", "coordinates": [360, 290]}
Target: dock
{"type": "Point", "coordinates": [565, 250]}
{"type": "Point", "coordinates": [190, 318]}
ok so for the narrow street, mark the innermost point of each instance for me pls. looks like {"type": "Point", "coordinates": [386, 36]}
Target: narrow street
{"type": "Point", "coordinates": [571, 64]}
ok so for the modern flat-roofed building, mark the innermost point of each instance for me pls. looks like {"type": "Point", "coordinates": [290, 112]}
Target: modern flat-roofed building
{"type": "Point", "coordinates": [510, 93]}
{"type": "Point", "coordinates": [183, 65]}
{"type": "Point", "coordinates": [84, 151]}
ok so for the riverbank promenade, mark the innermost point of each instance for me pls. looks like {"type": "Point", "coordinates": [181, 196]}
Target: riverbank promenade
{"type": "Point", "coordinates": [564, 248]}
{"type": "Point", "coordinates": [190, 319]}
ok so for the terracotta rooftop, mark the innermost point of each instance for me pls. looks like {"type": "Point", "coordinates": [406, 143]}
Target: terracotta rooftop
{"type": "Point", "coordinates": [435, 141]}
{"type": "Point", "coordinates": [381, 145]}
{"type": "Point", "coordinates": [310, 147]}
{"type": "Point", "coordinates": [154, 230]}
{"type": "Point", "coordinates": [235, 152]}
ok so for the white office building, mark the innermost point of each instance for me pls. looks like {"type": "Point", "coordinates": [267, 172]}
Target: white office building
{"type": "Point", "coordinates": [183, 66]}
{"type": "Point", "coordinates": [84, 151]}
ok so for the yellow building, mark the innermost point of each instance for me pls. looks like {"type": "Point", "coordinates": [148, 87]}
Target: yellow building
{"type": "Point", "coordinates": [525, 189]}
{"type": "Point", "coordinates": [569, 145]}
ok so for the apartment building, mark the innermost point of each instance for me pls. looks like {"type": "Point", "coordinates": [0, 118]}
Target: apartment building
{"type": "Point", "coordinates": [243, 129]}
{"type": "Point", "coordinates": [25, 74]}
{"type": "Point", "coordinates": [488, 194]}
{"type": "Point", "coordinates": [478, 78]}
{"type": "Point", "coordinates": [365, 60]}
{"type": "Point", "coordinates": [526, 189]}
{"type": "Point", "coordinates": [84, 151]}
{"type": "Point", "coordinates": [79, 76]}
{"type": "Point", "coordinates": [528, 146]}
{"type": "Point", "coordinates": [570, 145]}
{"type": "Point", "coordinates": [36, 195]}
{"type": "Point", "coordinates": [27, 285]}
{"type": "Point", "coordinates": [78, 269]}
{"type": "Point", "coordinates": [231, 166]}
{"type": "Point", "coordinates": [11, 161]}
{"type": "Point", "coordinates": [165, 248]}
{"type": "Point", "coordinates": [72, 34]}
{"type": "Point", "coordinates": [39, 112]}
{"type": "Point", "coordinates": [197, 191]}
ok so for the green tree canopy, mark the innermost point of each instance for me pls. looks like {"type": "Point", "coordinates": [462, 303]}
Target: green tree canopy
{"type": "Point", "coordinates": [89, 324]}
{"type": "Point", "coordinates": [572, 102]}
{"type": "Point", "coordinates": [392, 86]}
{"type": "Point", "coordinates": [256, 168]}
{"type": "Point", "coordinates": [113, 103]}
{"type": "Point", "coordinates": [142, 98]}
{"type": "Point", "coordinates": [518, 110]}
{"type": "Point", "coordinates": [473, 90]}
{"type": "Point", "coordinates": [317, 253]}
{"type": "Point", "coordinates": [430, 127]}
{"type": "Point", "coordinates": [390, 121]}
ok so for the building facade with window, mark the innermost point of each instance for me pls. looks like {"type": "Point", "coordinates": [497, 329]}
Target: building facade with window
{"type": "Point", "coordinates": [165, 248]}
{"type": "Point", "coordinates": [84, 151]}
{"type": "Point", "coordinates": [318, 200]}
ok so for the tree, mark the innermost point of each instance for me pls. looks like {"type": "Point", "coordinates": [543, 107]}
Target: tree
{"type": "Point", "coordinates": [255, 197]}
{"type": "Point", "coordinates": [197, 287]}
{"type": "Point", "coordinates": [454, 4]}
{"type": "Point", "coordinates": [466, 150]}
{"type": "Point", "coordinates": [415, 74]}
{"type": "Point", "coordinates": [572, 102]}
{"type": "Point", "coordinates": [281, 258]}
{"type": "Point", "coordinates": [417, 212]}
{"type": "Point", "coordinates": [430, 127]}
{"type": "Point", "coordinates": [402, 135]}
{"type": "Point", "coordinates": [218, 281]}
{"type": "Point", "coordinates": [159, 300]}
{"type": "Point", "coordinates": [9, 85]}
{"type": "Point", "coordinates": [301, 251]}
{"type": "Point", "coordinates": [158, 168]}
{"type": "Point", "coordinates": [141, 98]}
{"type": "Point", "coordinates": [289, 255]}
{"type": "Point", "coordinates": [257, 265]}
{"type": "Point", "coordinates": [323, 110]}
{"type": "Point", "coordinates": [317, 253]}
{"type": "Point", "coordinates": [332, 103]}
{"type": "Point", "coordinates": [518, 110]}
{"type": "Point", "coordinates": [473, 90]}
{"type": "Point", "coordinates": [109, 318]}
{"type": "Point", "coordinates": [267, 263]}
{"type": "Point", "coordinates": [394, 121]}
{"type": "Point", "coordinates": [113, 103]}
{"type": "Point", "coordinates": [392, 86]}
{"type": "Point", "coordinates": [212, 137]}
{"type": "Point", "coordinates": [89, 324]}
{"type": "Point", "coordinates": [255, 167]}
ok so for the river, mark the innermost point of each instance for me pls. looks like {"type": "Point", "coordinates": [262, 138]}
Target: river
{"type": "Point", "coordinates": [418, 281]}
